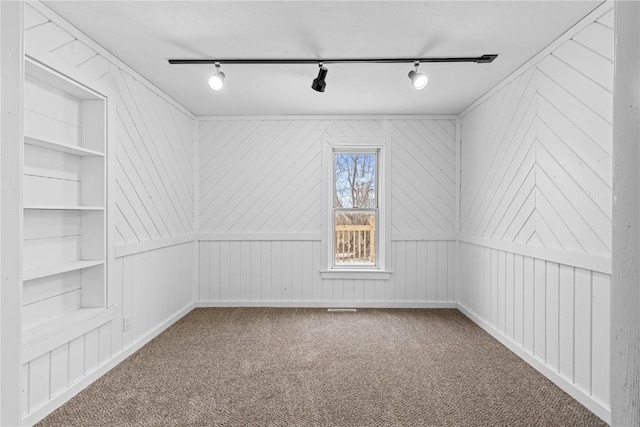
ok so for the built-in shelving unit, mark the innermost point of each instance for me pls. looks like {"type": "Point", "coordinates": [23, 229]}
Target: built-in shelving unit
{"type": "Point", "coordinates": [64, 200]}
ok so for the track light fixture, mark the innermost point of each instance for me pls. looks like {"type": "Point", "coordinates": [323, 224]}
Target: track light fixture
{"type": "Point", "coordinates": [418, 80]}
{"type": "Point", "coordinates": [318, 83]}
{"type": "Point", "coordinates": [216, 81]}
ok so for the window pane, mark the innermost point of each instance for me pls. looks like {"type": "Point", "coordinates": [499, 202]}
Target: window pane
{"type": "Point", "coordinates": [355, 183]}
{"type": "Point", "coordinates": [355, 237]}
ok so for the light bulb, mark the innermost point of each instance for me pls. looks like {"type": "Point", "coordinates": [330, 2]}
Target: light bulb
{"type": "Point", "coordinates": [216, 81]}
{"type": "Point", "coordinates": [418, 80]}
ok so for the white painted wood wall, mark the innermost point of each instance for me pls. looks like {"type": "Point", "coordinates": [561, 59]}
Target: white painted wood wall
{"type": "Point", "coordinates": [11, 86]}
{"type": "Point", "coordinates": [260, 212]}
{"type": "Point", "coordinates": [151, 281]}
{"type": "Point", "coordinates": [625, 295]}
{"type": "Point", "coordinates": [536, 198]}
{"type": "Point", "coordinates": [286, 272]}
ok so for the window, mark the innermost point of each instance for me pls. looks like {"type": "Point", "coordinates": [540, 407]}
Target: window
{"type": "Point", "coordinates": [355, 208]}
{"type": "Point", "coordinates": [355, 224]}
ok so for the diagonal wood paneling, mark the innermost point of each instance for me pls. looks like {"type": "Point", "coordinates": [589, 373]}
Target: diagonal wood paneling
{"type": "Point", "coordinates": [260, 176]}
{"type": "Point", "coordinates": [265, 176]}
{"type": "Point", "coordinates": [536, 156]}
{"type": "Point", "coordinates": [508, 143]}
{"type": "Point", "coordinates": [153, 142]}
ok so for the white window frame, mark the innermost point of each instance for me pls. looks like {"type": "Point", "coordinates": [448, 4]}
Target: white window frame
{"type": "Point", "coordinates": [332, 246]}
{"type": "Point", "coordinates": [383, 225]}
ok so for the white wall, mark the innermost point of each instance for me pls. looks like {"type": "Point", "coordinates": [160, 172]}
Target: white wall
{"type": "Point", "coordinates": [260, 211]}
{"type": "Point", "coordinates": [536, 197]}
{"type": "Point", "coordinates": [625, 296]}
{"type": "Point", "coordinates": [11, 70]}
{"type": "Point", "coordinates": [151, 279]}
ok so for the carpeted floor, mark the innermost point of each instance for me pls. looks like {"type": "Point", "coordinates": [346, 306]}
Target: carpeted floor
{"type": "Point", "coordinates": [309, 367]}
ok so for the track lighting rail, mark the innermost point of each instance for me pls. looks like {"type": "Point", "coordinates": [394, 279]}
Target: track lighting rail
{"type": "Point", "coordinates": [418, 80]}
{"type": "Point", "coordinates": [484, 59]}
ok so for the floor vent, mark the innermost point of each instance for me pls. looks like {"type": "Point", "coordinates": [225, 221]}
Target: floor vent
{"type": "Point", "coordinates": [342, 310]}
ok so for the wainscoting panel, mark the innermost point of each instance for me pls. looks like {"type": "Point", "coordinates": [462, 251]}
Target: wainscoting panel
{"type": "Point", "coordinates": [558, 314]}
{"type": "Point", "coordinates": [48, 375]}
{"type": "Point", "coordinates": [268, 272]}
{"type": "Point", "coordinates": [156, 285]}
{"type": "Point", "coordinates": [536, 155]}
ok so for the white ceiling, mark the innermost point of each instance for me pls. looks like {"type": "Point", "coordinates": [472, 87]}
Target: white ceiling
{"type": "Point", "coordinates": [145, 34]}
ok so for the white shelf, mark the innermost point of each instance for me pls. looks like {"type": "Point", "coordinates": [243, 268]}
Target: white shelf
{"type": "Point", "coordinates": [71, 325]}
{"type": "Point", "coordinates": [37, 71]}
{"type": "Point", "coordinates": [58, 269]}
{"type": "Point", "coordinates": [65, 208]}
{"type": "Point", "coordinates": [64, 148]}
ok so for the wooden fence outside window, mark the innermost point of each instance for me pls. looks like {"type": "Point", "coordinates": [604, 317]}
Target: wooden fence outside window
{"type": "Point", "coordinates": [355, 244]}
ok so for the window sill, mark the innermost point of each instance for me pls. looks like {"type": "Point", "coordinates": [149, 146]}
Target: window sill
{"type": "Point", "coordinates": [356, 274]}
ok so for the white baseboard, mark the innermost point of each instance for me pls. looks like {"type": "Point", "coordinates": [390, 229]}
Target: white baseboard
{"type": "Point", "coordinates": [589, 402]}
{"type": "Point", "coordinates": [327, 304]}
{"type": "Point", "coordinates": [76, 388]}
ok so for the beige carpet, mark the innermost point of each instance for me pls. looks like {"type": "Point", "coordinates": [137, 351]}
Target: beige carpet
{"type": "Point", "coordinates": [308, 367]}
